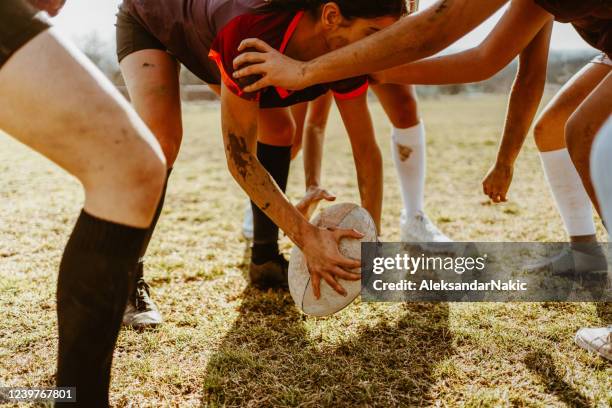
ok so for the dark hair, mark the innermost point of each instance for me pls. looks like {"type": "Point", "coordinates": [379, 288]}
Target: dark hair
{"type": "Point", "coordinates": [349, 8]}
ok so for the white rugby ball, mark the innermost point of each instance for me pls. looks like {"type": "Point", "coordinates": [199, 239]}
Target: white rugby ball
{"type": "Point", "coordinates": [342, 216]}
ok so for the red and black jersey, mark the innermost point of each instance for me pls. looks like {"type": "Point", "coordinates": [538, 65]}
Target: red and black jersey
{"type": "Point", "coordinates": [275, 29]}
{"type": "Point", "coordinates": [592, 19]}
{"type": "Point", "coordinates": [204, 36]}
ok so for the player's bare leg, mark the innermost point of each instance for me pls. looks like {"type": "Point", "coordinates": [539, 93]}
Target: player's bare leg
{"type": "Point", "coordinates": [152, 79]}
{"type": "Point", "coordinates": [582, 128]}
{"type": "Point", "coordinates": [55, 101]}
{"type": "Point", "coordinates": [572, 200]}
{"type": "Point", "coordinates": [409, 158]}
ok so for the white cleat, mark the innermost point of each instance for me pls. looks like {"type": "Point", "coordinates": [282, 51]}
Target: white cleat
{"type": "Point", "coordinates": [247, 223]}
{"type": "Point", "coordinates": [419, 228]}
{"type": "Point", "coordinates": [596, 340]}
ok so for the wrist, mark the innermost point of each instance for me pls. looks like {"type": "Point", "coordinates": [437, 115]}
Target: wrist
{"type": "Point", "coordinates": [304, 233]}
{"type": "Point", "coordinates": [504, 162]}
{"type": "Point", "coordinates": [312, 185]}
{"type": "Point", "coordinates": [307, 74]}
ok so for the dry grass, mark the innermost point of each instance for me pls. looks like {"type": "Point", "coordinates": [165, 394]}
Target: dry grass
{"type": "Point", "coordinates": [225, 344]}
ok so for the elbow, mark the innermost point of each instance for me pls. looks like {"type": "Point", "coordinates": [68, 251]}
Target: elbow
{"type": "Point", "coordinates": [489, 66]}
{"type": "Point", "coordinates": [490, 60]}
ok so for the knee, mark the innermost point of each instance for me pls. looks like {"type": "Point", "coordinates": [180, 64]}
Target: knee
{"type": "Point", "coordinates": [540, 131]}
{"type": "Point", "coordinates": [170, 136]}
{"type": "Point", "coordinates": [280, 133]}
{"type": "Point", "coordinates": [133, 172]}
{"type": "Point", "coordinates": [316, 129]}
{"type": "Point", "coordinates": [406, 114]}
{"type": "Point", "coordinates": [547, 133]}
{"type": "Point", "coordinates": [143, 175]}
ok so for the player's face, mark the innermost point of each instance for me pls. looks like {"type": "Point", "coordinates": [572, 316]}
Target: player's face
{"type": "Point", "coordinates": [356, 29]}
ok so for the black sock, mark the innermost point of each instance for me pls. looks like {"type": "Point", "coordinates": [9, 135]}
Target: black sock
{"type": "Point", "coordinates": [276, 160]}
{"type": "Point", "coordinates": [96, 275]}
{"type": "Point", "coordinates": [151, 229]}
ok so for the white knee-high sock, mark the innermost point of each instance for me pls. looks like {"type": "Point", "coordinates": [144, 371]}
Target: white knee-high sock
{"type": "Point", "coordinates": [568, 191]}
{"type": "Point", "coordinates": [601, 172]}
{"type": "Point", "coordinates": [408, 150]}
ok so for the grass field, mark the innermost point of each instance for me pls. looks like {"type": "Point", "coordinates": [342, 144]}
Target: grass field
{"type": "Point", "coordinates": [225, 344]}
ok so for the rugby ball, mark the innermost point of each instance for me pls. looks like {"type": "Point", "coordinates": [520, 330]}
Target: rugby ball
{"type": "Point", "coordinates": [342, 216]}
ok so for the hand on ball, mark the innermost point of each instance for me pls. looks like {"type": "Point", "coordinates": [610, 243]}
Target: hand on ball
{"type": "Point", "coordinates": [325, 261]}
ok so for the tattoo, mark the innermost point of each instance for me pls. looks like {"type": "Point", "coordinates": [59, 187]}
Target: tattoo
{"type": "Point", "coordinates": [237, 149]}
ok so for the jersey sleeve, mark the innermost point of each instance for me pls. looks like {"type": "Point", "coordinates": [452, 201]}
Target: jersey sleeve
{"type": "Point", "coordinates": [350, 88]}
{"type": "Point", "coordinates": [223, 52]}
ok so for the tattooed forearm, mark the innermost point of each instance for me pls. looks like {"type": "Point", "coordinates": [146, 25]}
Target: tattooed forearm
{"type": "Point", "coordinates": [239, 119]}
{"type": "Point", "coordinates": [238, 152]}
{"type": "Point", "coordinates": [261, 188]}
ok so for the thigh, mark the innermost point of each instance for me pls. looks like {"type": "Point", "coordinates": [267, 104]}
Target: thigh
{"type": "Point", "coordinates": [399, 103]}
{"type": "Point", "coordinates": [69, 111]}
{"type": "Point", "coordinates": [276, 127]}
{"type": "Point", "coordinates": [152, 80]}
{"type": "Point", "coordinates": [573, 93]}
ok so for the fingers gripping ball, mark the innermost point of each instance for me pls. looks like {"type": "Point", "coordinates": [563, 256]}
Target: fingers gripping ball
{"type": "Point", "coordinates": [342, 216]}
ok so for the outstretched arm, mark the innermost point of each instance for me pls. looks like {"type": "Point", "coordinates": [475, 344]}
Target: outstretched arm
{"type": "Point", "coordinates": [500, 47]}
{"type": "Point", "coordinates": [366, 153]}
{"type": "Point", "coordinates": [412, 38]}
{"type": "Point", "coordinates": [525, 98]}
{"type": "Point", "coordinates": [314, 118]}
{"type": "Point", "coordinates": [320, 246]}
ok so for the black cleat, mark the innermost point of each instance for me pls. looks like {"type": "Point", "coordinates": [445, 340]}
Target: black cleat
{"type": "Point", "coordinates": [272, 274]}
{"type": "Point", "coordinates": [141, 311]}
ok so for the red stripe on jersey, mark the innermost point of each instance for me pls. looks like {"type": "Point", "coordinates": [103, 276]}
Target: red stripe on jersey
{"type": "Point", "coordinates": [227, 79]}
{"type": "Point", "coordinates": [354, 93]}
{"type": "Point", "coordinates": [284, 93]}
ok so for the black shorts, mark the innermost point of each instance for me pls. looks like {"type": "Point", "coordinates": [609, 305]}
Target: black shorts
{"type": "Point", "coordinates": [19, 23]}
{"type": "Point", "coordinates": [132, 36]}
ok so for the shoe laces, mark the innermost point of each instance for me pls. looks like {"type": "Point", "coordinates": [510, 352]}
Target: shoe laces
{"type": "Point", "coordinates": [141, 300]}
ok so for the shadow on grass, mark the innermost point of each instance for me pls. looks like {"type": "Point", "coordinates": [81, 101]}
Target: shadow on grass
{"type": "Point", "coordinates": [542, 364]}
{"type": "Point", "coordinates": [604, 312]}
{"type": "Point", "coordinates": [269, 359]}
